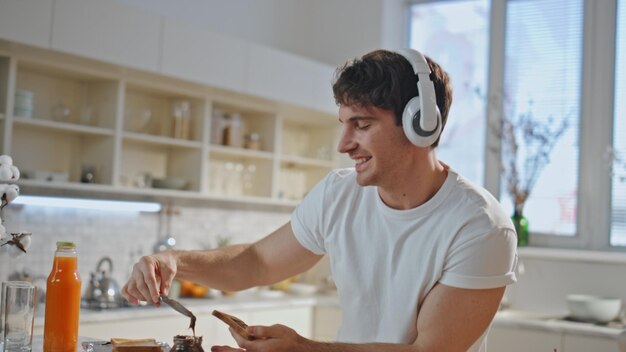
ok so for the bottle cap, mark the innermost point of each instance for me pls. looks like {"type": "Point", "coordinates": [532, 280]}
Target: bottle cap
{"type": "Point", "coordinates": [66, 244]}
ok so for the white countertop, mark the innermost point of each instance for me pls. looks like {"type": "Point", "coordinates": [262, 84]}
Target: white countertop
{"type": "Point", "coordinates": [199, 306]}
{"type": "Point", "coordinates": [203, 305]}
{"type": "Point", "coordinates": [551, 322]}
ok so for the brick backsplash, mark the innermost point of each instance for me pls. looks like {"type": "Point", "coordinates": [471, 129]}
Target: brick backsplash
{"type": "Point", "coordinates": [125, 236]}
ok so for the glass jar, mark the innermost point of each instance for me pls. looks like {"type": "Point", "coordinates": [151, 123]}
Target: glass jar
{"type": "Point", "coordinates": [186, 343]}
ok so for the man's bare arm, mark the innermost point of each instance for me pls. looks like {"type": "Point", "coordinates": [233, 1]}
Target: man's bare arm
{"type": "Point", "coordinates": [450, 319]}
{"type": "Point", "coordinates": [275, 257]}
{"type": "Point", "coordinates": [271, 259]}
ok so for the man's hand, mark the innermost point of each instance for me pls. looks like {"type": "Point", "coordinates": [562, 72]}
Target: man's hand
{"type": "Point", "coordinates": [275, 338]}
{"type": "Point", "coordinates": [151, 276]}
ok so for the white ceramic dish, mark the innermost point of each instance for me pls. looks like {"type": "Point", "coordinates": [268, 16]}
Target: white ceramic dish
{"type": "Point", "coordinates": [593, 308]}
{"type": "Point", "coordinates": [301, 289]}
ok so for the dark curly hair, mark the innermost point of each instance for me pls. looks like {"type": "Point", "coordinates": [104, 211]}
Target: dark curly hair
{"type": "Point", "coordinates": [386, 80]}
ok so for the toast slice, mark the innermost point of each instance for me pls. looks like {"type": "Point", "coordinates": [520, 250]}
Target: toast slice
{"type": "Point", "coordinates": [135, 345]}
{"type": "Point", "coordinates": [237, 324]}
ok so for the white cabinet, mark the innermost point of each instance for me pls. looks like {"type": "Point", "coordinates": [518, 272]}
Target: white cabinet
{"type": "Point", "coordinates": [108, 129]}
{"type": "Point", "coordinates": [107, 31]}
{"type": "Point", "coordinates": [587, 343]}
{"type": "Point", "coordinates": [327, 320]}
{"type": "Point", "coordinates": [515, 339]}
{"type": "Point", "coordinates": [113, 32]}
{"type": "Point", "coordinates": [214, 331]}
{"type": "Point", "coordinates": [522, 339]}
{"type": "Point", "coordinates": [160, 328]}
{"type": "Point", "coordinates": [280, 76]}
{"type": "Point", "coordinates": [26, 21]}
{"type": "Point", "coordinates": [298, 318]}
{"type": "Point", "coordinates": [203, 56]}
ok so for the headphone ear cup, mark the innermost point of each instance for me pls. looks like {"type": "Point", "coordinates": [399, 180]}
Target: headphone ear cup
{"type": "Point", "coordinates": [412, 124]}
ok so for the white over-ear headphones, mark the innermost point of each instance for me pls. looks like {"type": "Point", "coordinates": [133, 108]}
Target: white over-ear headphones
{"type": "Point", "coordinates": [421, 119]}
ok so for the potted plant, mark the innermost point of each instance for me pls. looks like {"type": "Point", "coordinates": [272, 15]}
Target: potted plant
{"type": "Point", "coordinates": [525, 146]}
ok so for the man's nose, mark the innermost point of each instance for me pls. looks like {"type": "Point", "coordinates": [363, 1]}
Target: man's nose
{"type": "Point", "coordinates": [346, 142]}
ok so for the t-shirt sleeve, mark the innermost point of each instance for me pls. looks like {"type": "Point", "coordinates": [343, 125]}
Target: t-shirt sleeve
{"type": "Point", "coordinates": [482, 262]}
{"type": "Point", "coordinates": [306, 219]}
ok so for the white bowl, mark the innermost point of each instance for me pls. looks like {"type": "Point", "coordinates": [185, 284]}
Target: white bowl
{"type": "Point", "coordinates": [301, 289]}
{"type": "Point", "coordinates": [594, 308]}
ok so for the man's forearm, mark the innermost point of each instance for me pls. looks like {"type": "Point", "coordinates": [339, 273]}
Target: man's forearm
{"type": "Point", "coordinates": [230, 268]}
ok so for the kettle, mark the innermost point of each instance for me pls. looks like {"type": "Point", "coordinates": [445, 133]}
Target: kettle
{"type": "Point", "coordinates": [103, 291]}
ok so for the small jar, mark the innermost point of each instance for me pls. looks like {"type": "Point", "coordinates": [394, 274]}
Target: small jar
{"type": "Point", "coordinates": [252, 141]}
{"type": "Point", "coordinates": [186, 343]}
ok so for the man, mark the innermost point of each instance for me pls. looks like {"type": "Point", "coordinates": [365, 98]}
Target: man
{"type": "Point", "coordinates": [419, 255]}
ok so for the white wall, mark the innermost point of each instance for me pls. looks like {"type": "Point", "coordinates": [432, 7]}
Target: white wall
{"type": "Point", "coordinates": [329, 31]}
{"type": "Point", "coordinates": [124, 236]}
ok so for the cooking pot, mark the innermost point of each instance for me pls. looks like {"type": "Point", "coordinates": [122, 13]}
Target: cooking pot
{"type": "Point", "coordinates": [103, 291]}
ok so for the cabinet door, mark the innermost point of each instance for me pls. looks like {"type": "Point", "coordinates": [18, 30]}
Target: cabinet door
{"type": "Point", "coordinates": [107, 31]}
{"type": "Point", "coordinates": [327, 322]}
{"type": "Point", "coordinates": [281, 76]}
{"type": "Point", "coordinates": [323, 90]}
{"type": "Point", "coordinates": [516, 339]}
{"type": "Point", "coordinates": [581, 343]}
{"type": "Point", "coordinates": [202, 56]}
{"type": "Point", "coordinates": [215, 332]}
{"type": "Point", "coordinates": [162, 329]}
{"type": "Point", "coordinates": [26, 21]}
{"type": "Point", "coordinates": [298, 318]}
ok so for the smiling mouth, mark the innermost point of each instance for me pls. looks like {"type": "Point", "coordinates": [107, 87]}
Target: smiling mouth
{"type": "Point", "coordinates": [360, 163]}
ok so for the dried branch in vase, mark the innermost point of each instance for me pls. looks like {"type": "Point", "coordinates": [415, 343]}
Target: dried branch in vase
{"type": "Point", "coordinates": [526, 143]}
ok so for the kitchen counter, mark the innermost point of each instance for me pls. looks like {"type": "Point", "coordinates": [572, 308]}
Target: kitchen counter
{"type": "Point", "coordinates": [554, 323]}
{"type": "Point", "coordinates": [259, 300]}
{"type": "Point", "coordinates": [204, 305]}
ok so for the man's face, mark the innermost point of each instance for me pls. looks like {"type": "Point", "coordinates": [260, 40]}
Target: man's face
{"type": "Point", "coordinates": [377, 145]}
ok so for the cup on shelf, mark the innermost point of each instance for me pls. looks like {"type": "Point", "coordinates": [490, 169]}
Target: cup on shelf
{"type": "Point", "coordinates": [252, 141]}
{"type": "Point", "coordinates": [24, 103]}
{"type": "Point", "coordinates": [88, 116]}
{"type": "Point", "coordinates": [181, 119]}
{"type": "Point", "coordinates": [18, 303]}
{"type": "Point", "coordinates": [135, 121]}
{"type": "Point", "coordinates": [61, 112]}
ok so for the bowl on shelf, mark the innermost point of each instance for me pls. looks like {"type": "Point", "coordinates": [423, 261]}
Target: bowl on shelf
{"type": "Point", "coordinates": [593, 308]}
{"type": "Point", "coordinates": [169, 183]}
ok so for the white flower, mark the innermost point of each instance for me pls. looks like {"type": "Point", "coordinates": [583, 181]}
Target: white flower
{"type": "Point", "coordinates": [16, 173]}
{"type": "Point", "coordinates": [6, 174]}
{"type": "Point", "coordinates": [11, 192]}
{"type": "Point", "coordinates": [6, 160]}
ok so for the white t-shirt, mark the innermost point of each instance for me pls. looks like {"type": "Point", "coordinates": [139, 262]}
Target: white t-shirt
{"type": "Point", "coordinates": [385, 261]}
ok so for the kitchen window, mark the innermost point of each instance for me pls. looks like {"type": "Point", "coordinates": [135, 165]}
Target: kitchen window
{"type": "Point", "coordinates": [618, 223]}
{"type": "Point", "coordinates": [456, 35]}
{"type": "Point", "coordinates": [556, 59]}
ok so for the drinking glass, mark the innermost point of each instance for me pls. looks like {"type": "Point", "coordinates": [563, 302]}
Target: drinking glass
{"type": "Point", "coordinates": [18, 299]}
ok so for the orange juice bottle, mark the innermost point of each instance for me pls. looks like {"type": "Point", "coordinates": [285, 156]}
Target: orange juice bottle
{"type": "Point", "coordinates": [62, 301]}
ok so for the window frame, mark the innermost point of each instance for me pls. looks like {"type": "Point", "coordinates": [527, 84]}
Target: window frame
{"type": "Point", "coordinates": [596, 121]}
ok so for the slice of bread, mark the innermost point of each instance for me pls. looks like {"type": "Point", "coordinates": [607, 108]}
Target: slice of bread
{"type": "Point", "coordinates": [135, 345]}
{"type": "Point", "coordinates": [237, 324]}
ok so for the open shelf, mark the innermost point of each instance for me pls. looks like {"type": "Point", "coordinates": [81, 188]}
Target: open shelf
{"type": "Point", "coordinates": [135, 130]}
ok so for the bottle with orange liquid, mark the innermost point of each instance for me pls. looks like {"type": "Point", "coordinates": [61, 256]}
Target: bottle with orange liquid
{"type": "Point", "coordinates": [62, 301]}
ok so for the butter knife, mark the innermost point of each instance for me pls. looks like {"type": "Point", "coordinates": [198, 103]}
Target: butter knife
{"type": "Point", "coordinates": [180, 309]}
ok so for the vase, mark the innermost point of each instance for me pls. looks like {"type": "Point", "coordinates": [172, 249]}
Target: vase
{"type": "Point", "coordinates": [521, 228]}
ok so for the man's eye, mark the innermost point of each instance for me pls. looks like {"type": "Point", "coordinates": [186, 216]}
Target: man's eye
{"type": "Point", "coordinates": [362, 127]}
